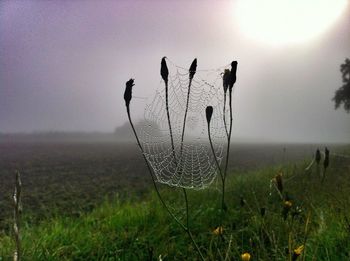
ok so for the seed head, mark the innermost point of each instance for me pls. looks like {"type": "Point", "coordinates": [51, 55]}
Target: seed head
{"type": "Point", "coordinates": [233, 77]}
{"type": "Point", "coordinates": [279, 182]}
{"type": "Point", "coordinates": [193, 68]}
{"type": "Point", "coordinates": [164, 72]}
{"type": "Point", "coordinates": [245, 256]}
{"type": "Point", "coordinates": [128, 92]}
{"type": "Point", "coordinates": [209, 113]}
{"type": "Point", "coordinates": [226, 80]}
{"type": "Point", "coordinates": [262, 211]}
{"type": "Point", "coordinates": [326, 158]}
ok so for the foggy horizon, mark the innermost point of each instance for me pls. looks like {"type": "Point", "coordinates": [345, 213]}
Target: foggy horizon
{"type": "Point", "coordinates": [64, 66]}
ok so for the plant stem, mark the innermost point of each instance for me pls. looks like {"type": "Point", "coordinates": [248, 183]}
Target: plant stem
{"type": "Point", "coordinates": [186, 110]}
{"type": "Point", "coordinates": [224, 113]}
{"type": "Point", "coordinates": [169, 123]}
{"type": "Point", "coordinates": [213, 151]}
{"type": "Point", "coordinates": [228, 149]}
{"type": "Point", "coordinates": [16, 215]}
{"type": "Point", "coordinates": [221, 176]}
{"type": "Point", "coordinates": [187, 215]}
{"type": "Point", "coordinates": [150, 171]}
{"type": "Point", "coordinates": [188, 231]}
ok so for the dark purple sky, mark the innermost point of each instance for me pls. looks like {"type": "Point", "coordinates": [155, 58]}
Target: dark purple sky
{"type": "Point", "coordinates": [63, 66]}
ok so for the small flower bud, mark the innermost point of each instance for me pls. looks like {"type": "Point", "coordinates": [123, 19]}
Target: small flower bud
{"type": "Point", "coordinates": [233, 74]}
{"type": "Point", "coordinates": [288, 204]}
{"type": "Point", "coordinates": [245, 256]}
{"type": "Point", "coordinates": [128, 92]}
{"type": "Point", "coordinates": [193, 68]}
{"type": "Point", "coordinates": [209, 113]}
{"type": "Point", "coordinates": [226, 80]}
{"type": "Point", "coordinates": [164, 72]}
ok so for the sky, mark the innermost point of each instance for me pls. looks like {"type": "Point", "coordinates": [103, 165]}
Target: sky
{"type": "Point", "coordinates": [64, 64]}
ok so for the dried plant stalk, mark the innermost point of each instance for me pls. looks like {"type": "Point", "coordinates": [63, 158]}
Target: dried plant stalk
{"type": "Point", "coordinates": [17, 216]}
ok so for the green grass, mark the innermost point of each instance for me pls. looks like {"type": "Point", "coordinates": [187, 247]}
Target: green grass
{"type": "Point", "coordinates": [142, 229]}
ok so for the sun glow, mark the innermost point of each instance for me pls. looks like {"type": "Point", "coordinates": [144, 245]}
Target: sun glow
{"type": "Point", "coordinates": [279, 22]}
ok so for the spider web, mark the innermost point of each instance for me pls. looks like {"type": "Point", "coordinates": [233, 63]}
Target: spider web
{"type": "Point", "coordinates": [194, 165]}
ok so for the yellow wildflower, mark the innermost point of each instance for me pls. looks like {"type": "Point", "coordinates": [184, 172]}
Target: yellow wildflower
{"type": "Point", "coordinates": [245, 256]}
{"type": "Point", "coordinates": [298, 250]}
{"type": "Point", "coordinates": [288, 204]}
{"type": "Point", "coordinates": [218, 231]}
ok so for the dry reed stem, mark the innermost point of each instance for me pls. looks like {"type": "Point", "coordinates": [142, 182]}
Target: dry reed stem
{"type": "Point", "coordinates": [16, 216]}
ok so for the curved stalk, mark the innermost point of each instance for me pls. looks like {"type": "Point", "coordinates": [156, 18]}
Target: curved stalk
{"type": "Point", "coordinates": [228, 148]}
{"type": "Point", "coordinates": [169, 123]}
{"type": "Point", "coordinates": [213, 151]}
{"type": "Point", "coordinates": [224, 113]}
{"type": "Point", "coordinates": [186, 110]}
{"type": "Point", "coordinates": [221, 176]}
{"type": "Point", "coordinates": [150, 171]}
{"type": "Point", "coordinates": [17, 217]}
{"type": "Point", "coordinates": [188, 231]}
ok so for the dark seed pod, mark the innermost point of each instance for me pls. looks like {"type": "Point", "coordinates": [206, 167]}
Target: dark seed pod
{"type": "Point", "coordinates": [164, 72]}
{"type": "Point", "coordinates": [209, 113]}
{"type": "Point", "coordinates": [326, 151]}
{"type": "Point", "coordinates": [318, 156]}
{"type": "Point", "coordinates": [128, 92]}
{"type": "Point", "coordinates": [262, 211]}
{"type": "Point", "coordinates": [279, 182]}
{"type": "Point", "coordinates": [193, 68]}
{"type": "Point", "coordinates": [233, 74]}
{"type": "Point", "coordinates": [226, 80]}
{"type": "Point", "coordinates": [326, 158]}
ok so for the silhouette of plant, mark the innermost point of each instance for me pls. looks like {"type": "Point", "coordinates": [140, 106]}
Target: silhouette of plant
{"type": "Point", "coordinates": [342, 95]}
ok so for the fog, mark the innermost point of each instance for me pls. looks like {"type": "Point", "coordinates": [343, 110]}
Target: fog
{"type": "Point", "coordinates": [64, 65]}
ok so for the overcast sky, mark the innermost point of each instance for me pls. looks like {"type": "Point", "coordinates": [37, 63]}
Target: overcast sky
{"type": "Point", "coordinates": [64, 64]}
